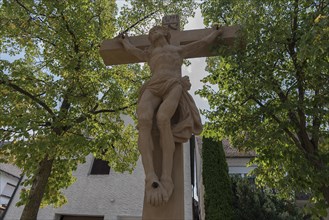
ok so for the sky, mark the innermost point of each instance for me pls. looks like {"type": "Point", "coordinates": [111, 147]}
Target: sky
{"type": "Point", "coordinates": [196, 71]}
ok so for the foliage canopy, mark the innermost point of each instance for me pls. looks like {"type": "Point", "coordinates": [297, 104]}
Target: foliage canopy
{"type": "Point", "coordinates": [251, 202]}
{"type": "Point", "coordinates": [273, 96]}
{"type": "Point", "coordinates": [59, 102]}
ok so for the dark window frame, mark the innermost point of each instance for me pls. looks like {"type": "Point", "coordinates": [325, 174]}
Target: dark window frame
{"type": "Point", "coordinates": [78, 217]}
{"type": "Point", "coordinates": [100, 167]}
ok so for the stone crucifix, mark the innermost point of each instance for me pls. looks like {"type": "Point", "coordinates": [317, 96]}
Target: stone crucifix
{"type": "Point", "coordinates": [167, 115]}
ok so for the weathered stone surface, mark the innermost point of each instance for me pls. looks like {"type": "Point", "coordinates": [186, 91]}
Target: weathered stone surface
{"type": "Point", "coordinates": [113, 54]}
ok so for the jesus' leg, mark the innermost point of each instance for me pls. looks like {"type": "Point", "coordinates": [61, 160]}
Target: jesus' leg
{"type": "Point", "coordinates": [164, 115]}
{"type": "Point", "coordinates": [155, 193]}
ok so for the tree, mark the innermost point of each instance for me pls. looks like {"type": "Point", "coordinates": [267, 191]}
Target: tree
{"type": "Point", "coordinates": [218, 193]}
{"type": "Point", "coordinates": [273, 96]}
{"type": "Point", "coordinates": [58, 101]}
{"type": "Point", "coordinates": [251, 202]}
{"type": "Point", "coordinates": [136, 10]}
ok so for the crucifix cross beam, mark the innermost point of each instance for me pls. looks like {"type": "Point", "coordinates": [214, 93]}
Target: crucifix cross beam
{"type": "Point", "coordinates": [113, 52]}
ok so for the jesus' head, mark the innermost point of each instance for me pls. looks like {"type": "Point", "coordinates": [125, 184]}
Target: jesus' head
{"type": "Point", "coordinates": [159, 31]}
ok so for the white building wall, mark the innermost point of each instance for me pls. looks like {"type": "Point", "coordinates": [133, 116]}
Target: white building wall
{"type": "Point", "coordinates": [238, 165]}
{"type": "Point", "coordinates": [96, 195]}
{"type": "Point", "coordinates": [8, 174]}
{"type": "Point", "coordinates": [116, 196]}
{"type": "Point", "coordinates": [7, 187]}
{"type": "Point", "coordinates": [188, 211]}
{"type": "Point", "coordinates": [9, 178]}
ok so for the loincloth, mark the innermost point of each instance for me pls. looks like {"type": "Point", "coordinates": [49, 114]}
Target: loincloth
{"type": "Point", "coordinates": [186, 120]}
{"type": "Point", "coordinates": [160, 85]}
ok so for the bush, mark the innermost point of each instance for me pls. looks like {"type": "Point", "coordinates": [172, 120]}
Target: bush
{"type": "Point", "coordinates": [252, 203]}
{"type": "Point", "coordinates": [218, 193]}
{"type": "Point", "coordinates": [238, 198]}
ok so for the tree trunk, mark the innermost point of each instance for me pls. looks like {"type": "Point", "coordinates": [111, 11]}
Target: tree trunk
{"type": "Point", "coordinates": [31, 209]}
{"type": "Point", "coordinates": [325, 192]}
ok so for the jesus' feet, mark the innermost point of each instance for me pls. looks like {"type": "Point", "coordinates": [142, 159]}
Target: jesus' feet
{"type": "Point", "coordinates": [168, 185]}
{"type": "Point", "coordinates": [155, 193]}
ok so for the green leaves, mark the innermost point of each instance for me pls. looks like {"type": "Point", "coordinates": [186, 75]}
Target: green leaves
{"type": "Point", "coordinates": [252, 202]}
{"type": "Point", "coordinates": [138, 9]}
{"type": "Point", "coordinates": [58, 100]}
{"type": "Point", "coordinates": [273, 96]}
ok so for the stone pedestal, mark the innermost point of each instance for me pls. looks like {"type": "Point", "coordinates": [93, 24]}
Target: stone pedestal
{"type": "Point", "coordinates": [174, 208]}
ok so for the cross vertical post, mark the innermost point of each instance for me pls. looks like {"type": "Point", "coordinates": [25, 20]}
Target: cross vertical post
{"type": "Point", "coordinates": [174, 209]}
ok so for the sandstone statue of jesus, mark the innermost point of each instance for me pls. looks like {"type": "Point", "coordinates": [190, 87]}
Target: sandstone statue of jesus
{"type": "Point", "coordinates": [162, 97]}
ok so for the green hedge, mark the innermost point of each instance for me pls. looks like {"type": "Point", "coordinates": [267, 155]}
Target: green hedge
{"type": "Point", "coordinates": [218, 193]}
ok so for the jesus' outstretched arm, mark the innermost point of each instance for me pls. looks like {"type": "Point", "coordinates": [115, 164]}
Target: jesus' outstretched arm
{"type": "Point", "coordinates": [197, 45]}
{"type": "Point", "coordinates": [140, 54]}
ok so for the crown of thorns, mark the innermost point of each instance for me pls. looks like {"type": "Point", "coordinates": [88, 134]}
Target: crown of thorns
{"type": "Point", "coordinates": [164, 29]}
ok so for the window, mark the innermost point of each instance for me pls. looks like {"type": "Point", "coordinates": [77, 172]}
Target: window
{"type": "Point", "coordinates": [8, 190]}
{"type": "Point", "coordinates": [100, 167]}
{"type": "Point", "coordinates": [129, 218]}
{"type": "Point", "coordinates": [72, 217]}
{"type": "Point", "coordinates": [302, 196]}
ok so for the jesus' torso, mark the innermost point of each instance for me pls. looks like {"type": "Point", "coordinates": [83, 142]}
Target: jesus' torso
{"type": "Point", "coordinates": [166, 60]}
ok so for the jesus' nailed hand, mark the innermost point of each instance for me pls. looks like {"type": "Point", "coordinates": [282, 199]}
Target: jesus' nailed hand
{"type": "Point", "coordinates": [161, 95]}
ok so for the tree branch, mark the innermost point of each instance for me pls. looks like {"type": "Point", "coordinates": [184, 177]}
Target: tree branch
{"type": "Point", "coordinates": [46, 41]}
{"type": "Point", "coordinates": [94, 112]}
{"type": "Point", "coordinates": [29, 95]}
{"type": "Point", "coordinates": [75, 42]}
{"type": "Point", "coordinates": [6, 134]}
{"type": "Point", "coordinates": [74, 38]}
{"type": "Point", "coordinates": [284, 128]}
{"type": "Point", "coordinates": [112, 110]}
{"type": "Point", "coordinates": [24, 7]}
{"type": "Point", "coordinates": [309, 155]}
{"type": "Point", "coordinates": [65, 106]}
{"type": "Point", "coordinates": [300, 76]}
{"type": "Point", "coordinates": [316, 122]}
{"type": "Point", "coordinates": [29, 12]}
